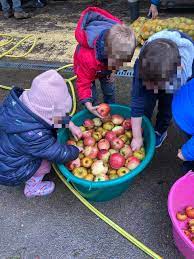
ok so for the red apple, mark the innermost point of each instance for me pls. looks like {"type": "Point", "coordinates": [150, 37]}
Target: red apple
{"type": "Point", "coordinates": [117, 144]}
{"type": "Point", "coordinates": [126, 151]}
{"type": "Point", "coordinates": [132, 162]}
{"type": "Point", "coordinates": [119, 130]}
{"type": "Point", "coordinates": [89, 141]}
{"type": "Point", "coordinates": [103, 109]}
{"type": "Point", "coordinates": [89, 124]}
{"type": "Point", "coordinates": [106, 119]}
{"type": "Point", "coordinates": [91, 152]}
{"type": "Point", "coordinates": [127, 124]}
{"type": "Point", "coordinates": [117, 119]}
{"type": "Point", "coordinates": [71, 142]}
{"type": "Point", "coordinates": [97, 122]}
{"type": "Point", "coordinates": [110, 135]}
{"type": "Point", "coordinates": [87, 133]}
{"type": "Point", "coordinates": [116, 161]}
{"type": "Point", "coordinates": [73, 164]}
{"type": "Point", "coordinates": [103, 155]}
{"type": "Point", "coordinates": [103, 144]}
{"type": "Point", "coordinates": [98, 168]}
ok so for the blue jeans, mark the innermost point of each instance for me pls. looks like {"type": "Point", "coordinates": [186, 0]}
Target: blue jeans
{"type": "Point", "coordinates": [17, 6]}
{"type": "Point", "coordinates": [108, 89]}
{"type": "Point", "coordinates": [164, 114]}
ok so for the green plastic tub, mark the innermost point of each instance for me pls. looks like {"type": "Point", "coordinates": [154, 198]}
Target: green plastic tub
{"type": "Point", "coordinates": [107, 190]}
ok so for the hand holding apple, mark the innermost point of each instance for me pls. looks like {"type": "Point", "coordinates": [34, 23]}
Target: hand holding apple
{"type": "Point", "coordinates": [136, 143]}
{"type": "Point", "coordinates": [93, 109]}
{"type": "Point", "coordinates": [103, 109]}
{"type": "Point", "coordinates": [76, 131]}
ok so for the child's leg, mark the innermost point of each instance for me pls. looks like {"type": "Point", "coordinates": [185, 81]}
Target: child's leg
{"type": "Point", "coordinates": [17, 6]}
{"type": "Point", "coordinates": [35, 186]}
{"type": "Point", "coordinates": [164, 115]}
{"type": "Point", "coordinates": [5, 6]}
{"type": "Point", "coordinates": [108, 89]}
{"type": "Point", "coordinates": [149, 103]}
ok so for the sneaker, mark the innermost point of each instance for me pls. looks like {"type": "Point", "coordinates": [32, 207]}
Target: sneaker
{"type": "Point", "coordinates": [160, 138]}
{"type": "Point", "coordinates": [39, 189]}
{"type": "Point", "coordinates": [7, 14]}
{"type": "Point", "coordinates": [21, 15]}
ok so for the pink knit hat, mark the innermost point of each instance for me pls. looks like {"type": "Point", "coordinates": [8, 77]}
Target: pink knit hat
{"type": "Point", "coordinates": [48, 96]}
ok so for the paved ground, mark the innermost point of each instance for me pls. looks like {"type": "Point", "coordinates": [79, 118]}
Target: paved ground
{"type": "Point", "coordinates": [59, 226]}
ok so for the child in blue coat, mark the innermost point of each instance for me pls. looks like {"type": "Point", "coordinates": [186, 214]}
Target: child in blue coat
{"type": "Point", "coordinates": [27, 141]}
{"type": "Point", "coordinates": [183, 115]}
{"type": "Point", "coordinates": [166, 62]}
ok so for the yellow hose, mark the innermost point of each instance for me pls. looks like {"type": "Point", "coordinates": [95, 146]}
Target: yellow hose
{"type": "Point", "coordinates": [8, 52]}
{"type": "Point", "coordinates": [120, 230]}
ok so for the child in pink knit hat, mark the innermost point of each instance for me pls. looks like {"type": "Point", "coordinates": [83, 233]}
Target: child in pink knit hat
{"type": "Point", "coordinates": [28, 142]}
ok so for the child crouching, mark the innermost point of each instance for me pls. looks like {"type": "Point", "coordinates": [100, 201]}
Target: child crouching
{"type": "Point", "coordinates": [27, 138]}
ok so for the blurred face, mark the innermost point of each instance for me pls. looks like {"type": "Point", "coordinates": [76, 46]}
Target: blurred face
{"type": "Point", "coordinates": [58, 116]}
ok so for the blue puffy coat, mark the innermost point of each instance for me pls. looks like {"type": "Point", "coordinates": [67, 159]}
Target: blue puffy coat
{"type": "Point", "coordinates": [25, 140]}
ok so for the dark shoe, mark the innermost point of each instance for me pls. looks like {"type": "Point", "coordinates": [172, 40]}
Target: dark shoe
{"type": "Point", "coordinates": [187, 166]}
{"type": "Point", "coordinates": [8, 14]}
{"type": "Point", "coordinates": [160, 138]}
{"type": "Point", "coordinates": [21, 15]}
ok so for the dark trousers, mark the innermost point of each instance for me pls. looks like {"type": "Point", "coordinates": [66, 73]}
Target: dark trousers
{"type": "Point", "coordinates": [108, 90]}
{"type": "Point", "coordinates": [164, 114]}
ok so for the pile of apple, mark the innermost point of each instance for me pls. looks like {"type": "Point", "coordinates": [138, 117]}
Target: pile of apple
{"type": "Point", "coordinates": [187, 216]}
{"type": "Point", "coordinates": [106, 147]}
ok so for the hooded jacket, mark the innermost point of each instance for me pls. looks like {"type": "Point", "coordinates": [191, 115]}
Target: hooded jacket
{"type": "Point", "coordinates": [26, 140]}
{"type": "Point", "coordinates": [90, 31]}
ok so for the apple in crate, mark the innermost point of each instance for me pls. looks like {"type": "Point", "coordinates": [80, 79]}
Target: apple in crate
{"type": "Point", "coordinates": [103, 144]}
{"type": "Point", "coordinates": [91, 152]}
{"type": "Point", "coordinates": [89, 177]}
{"type": "Point", "coordinates": [127, 124]}
{"type": "Point", "coordinates": [132, 162]}
{"type": "Point", "coordinates": [117, 144]}
{"type": "Point", "coordinates": [100, 178]}
{"type": "Point", "coordinates": [97, 122]}
{"type": "Point", "coordinates": [73, 164]}
{"type": "Point", "coordinates": [118, 130]}
{"type": "Point", "coordinates": [80, 172]}
{"type": "Point", "coordinates": [103, 109]}
{"type": "Point", "coordinates": [86, 162]}
{"type": "Point", "coordinates": [108, 125]}
{"type": "Point", "coordinates": [110, 135]}
{"type": "Point", "coordinates": [112, 151]}
{"type": "Point", "coordinates": [98, 168]}
{"type": "Point", "coordinates": [122, 171]}
{"type": "Point", "coordinates": [89, 141]}
{"type": "Point", "coordinates": [116, 161]}
{"type": "Point", "coordinates": [113, 176]}
{"type": "Point", "coordinates": [124, 138]}
{"type": "Point", "coordinates": [87, 133]}
{"type": "Point", "coordinates": [89, 124]}
{"type": "Point", "coordinates": [117, 119]}
{"type": "Point", "coordinates": [82, 128]}
{"type": "Point", "coordinates": [129, 134]}
{"type": "Point", "coordinates": [97, 135]}
{"type": "Point", "coordinates": [80, 143]}
{"type": "Point", "coordinates": [126, 151]}
{"type": "Point", "coordinates": [103, 155]}
{"type": "Point", "coordinates": [140, 154]}
{"type": "Point", "coordinates": [71, 142]}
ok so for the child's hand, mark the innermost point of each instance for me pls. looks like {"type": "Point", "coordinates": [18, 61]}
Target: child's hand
{"type": "Point", "coordinates": [136, 143]}
{"type": "Point", "coordinates": [80, 149]}
{"type": "Point", "coordinates": [76, 131]}
{"type": "Point", "coordinates": [93, 109]}
{"type": "Point", "coordinates": [180, 155]}
{"type": "Point", "coordinates": [153, 11]}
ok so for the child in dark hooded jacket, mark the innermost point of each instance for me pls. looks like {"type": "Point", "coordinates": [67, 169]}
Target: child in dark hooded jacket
{"type": "Point", "coordinates": [27, 141]}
